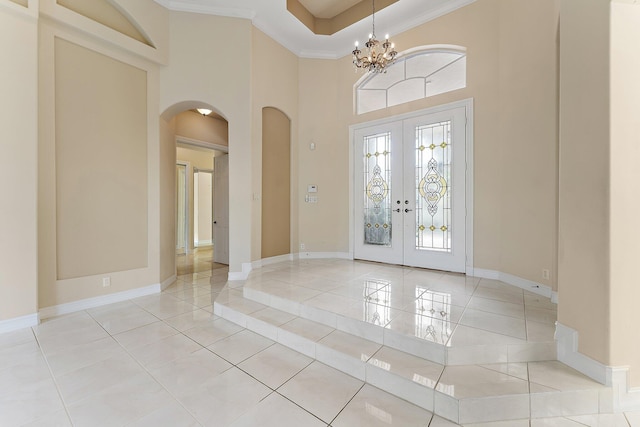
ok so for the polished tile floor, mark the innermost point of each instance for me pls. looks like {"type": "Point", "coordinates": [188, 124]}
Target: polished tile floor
{"type": "Point", "coordinates": [167, 360]}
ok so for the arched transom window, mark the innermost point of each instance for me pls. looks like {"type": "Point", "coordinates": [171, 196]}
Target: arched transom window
{"type": "Point", "coordinates": [415, 75]}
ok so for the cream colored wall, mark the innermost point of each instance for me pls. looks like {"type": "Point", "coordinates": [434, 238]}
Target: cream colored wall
{"type": "Point", "coordinates": [100, 163]}
{"type": "Point", "coordinates": [104, 12]}
{"type": "Point", "coordinates": [18, 161]}
{"type": "Point", "coordinates": [276, 183]}
{"type": "Point", "coordinates": [528, 121]}
{"type": "Point", "coordinates": [167, 200]}
{"type": "Point", "coordinates": [274, 82]}
{"type": "Point", "coordinates": [66, 47]}
{"type": "Point", "coordinates": [192, 77]}
{"type": "Point", "coordinates": [625, 186]}
{"type": "Point", "coordinates": [195, 159]}
{"type": "Point", "coordinates": [514, 131]}
{"type": "Point", "coordinates": [583, 240]}
{"type": "Point", "coordinates": [202, 128]}
{"type": "Point", "coordinates": [323, 226]}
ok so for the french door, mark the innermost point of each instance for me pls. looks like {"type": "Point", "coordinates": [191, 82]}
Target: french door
{"type": "Point", "coordinates": [410, 191]}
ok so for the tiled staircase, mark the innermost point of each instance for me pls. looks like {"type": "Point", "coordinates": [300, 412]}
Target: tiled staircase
{"type": "Point", "coordinates": [433, 339]}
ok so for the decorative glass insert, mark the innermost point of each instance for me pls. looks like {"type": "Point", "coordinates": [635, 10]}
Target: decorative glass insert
{"type": "Point", "coordinates": [377, 302]}
{"type": "Point", "coordinates": [419, 74]}
{"type": "Point", "coordinates": [377, 189]}
{"type": "Point", "coordinates": [433, 187]}
{"type": "Point", "coordinates": [433, 316]}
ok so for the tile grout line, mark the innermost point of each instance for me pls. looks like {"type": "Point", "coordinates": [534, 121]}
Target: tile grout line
{"type": "Point", "coordinates": [53, 378]}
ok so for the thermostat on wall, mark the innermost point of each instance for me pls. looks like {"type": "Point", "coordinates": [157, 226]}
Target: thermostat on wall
{"type": "Point", "coordinates": [312, 188]}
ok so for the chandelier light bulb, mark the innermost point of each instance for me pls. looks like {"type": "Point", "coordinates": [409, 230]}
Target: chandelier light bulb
{"type": "Point", "coordinates": [357, 43]}
{"type": "Point", "coordinates": [378, 56]}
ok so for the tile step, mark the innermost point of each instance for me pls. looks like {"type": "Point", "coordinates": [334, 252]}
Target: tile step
{"type": "Point", "coordinates": [417, 380]}
{"type": "Point", "coordinates": [482, 353]}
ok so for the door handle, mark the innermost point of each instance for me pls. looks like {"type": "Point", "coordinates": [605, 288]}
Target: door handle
{"type": "Point", "coordinates": [397, 210]}
{"type": "Point", "coordinates": [215, 222]}
{"type": "Point", "coordinates": [407, 210]}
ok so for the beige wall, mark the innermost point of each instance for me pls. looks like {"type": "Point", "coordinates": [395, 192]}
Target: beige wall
{"type": "Point", "coordinates": [276, 183]}
{"type": "Point", "coordinates": [528, 121]}
{"type": "Point", "coordinates": [18, 161]}
{"type": "Point", "coordinates": [101, 163]}
{"type": "Point", "coordinates": [625, 186]}
{"type": "Point", "coordinates": [167, 200]}
{"type": "Point", "coordinates": [274, 81]}
{"type": "Point", "coordinates": [193, 79]}
{"type": "Point", "coordinates": [583, 240]}
{"type": "Point", "coordinates": [193, 125]}
{"type": "Point", "coordinates": [98, 157]}
{"type": "Point", "coordinates": [515, 138]}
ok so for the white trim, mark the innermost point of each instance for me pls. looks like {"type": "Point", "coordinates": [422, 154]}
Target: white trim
{"type": "Point", "coordinates": [241, 275]}
{"type": "Point", "coordinates": [168, 282]}
{"type": "Point", "coordinates": [567, 344]}
{"type": "Point", "coordinates": [182, 6]}
{"type": "Point", "coordinates": [325, 255]}
{"type": "Point", "coordinates": [19, 323]}
{"type": "Point", "coordinates": [30, 12]}
{"type": "Point", "coordinates": [272, 260]}
{"type": "Point", "coordinates": [467, 104]}
{"type": "Point", "coordinates": [202, 144]}
{"type": "Point", "coordinates": [554, 297]}
{"type": "Point", "coordinates": [83, 304]}
{"type": "Point", "coordinates": [188, 172]}
{"type": "Point", "coordinates": [528, 285]}
{"type": "Point", "coordinates": [469, 183]}
{"type": "Point", "coordinates": [623, 397]}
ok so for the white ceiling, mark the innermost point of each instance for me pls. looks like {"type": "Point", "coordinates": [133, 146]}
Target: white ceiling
{"type": "Point", "coordinates": [273, 18]}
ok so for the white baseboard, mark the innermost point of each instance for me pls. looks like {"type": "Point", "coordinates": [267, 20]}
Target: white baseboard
{"type": "Point", "coordinates": [567, 345]}
{"type": "Point", "coordinates": [519, 282]}
{"type": "Point", "coordinates": [272, 260]}
{"type": "Point", "coordinates": [168, 282]}
{"type": "Point", "coordinates": [624, 398]}
{"type": "Point", "coordinates": [19, 323]}
{"type": "Point", "coordinates": [324, 255]}
{"type": "Point", "coordinates": [248, 266]}
{"type": "Point", "coordinates": [84, 304]}
{"type": "Point", "coordinates": [241, 275]}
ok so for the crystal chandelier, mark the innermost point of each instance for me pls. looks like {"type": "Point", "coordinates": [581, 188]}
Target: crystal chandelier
{"type": "Point", "coordinates": [378, 57]}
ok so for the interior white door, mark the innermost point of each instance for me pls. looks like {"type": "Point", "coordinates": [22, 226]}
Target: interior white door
{"type": "Point", "coordinates": [181, 209]}
{"type": "Point", "coordinates": [203, 208]}
{"type": "Point", "coordinates": [221, 209]}
{"type": "Point", "coordinates": [410, 191]}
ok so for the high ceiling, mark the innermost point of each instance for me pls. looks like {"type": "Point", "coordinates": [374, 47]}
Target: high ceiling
{"type": "Point", "coordinates": [273, 18]}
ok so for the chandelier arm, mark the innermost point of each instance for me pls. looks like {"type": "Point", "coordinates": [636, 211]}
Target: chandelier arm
{"type": "Point", "coordinates": [374, 61]}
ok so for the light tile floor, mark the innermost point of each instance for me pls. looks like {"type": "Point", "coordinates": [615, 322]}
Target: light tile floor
{"type": "Point", "coordinates": [166, 360]}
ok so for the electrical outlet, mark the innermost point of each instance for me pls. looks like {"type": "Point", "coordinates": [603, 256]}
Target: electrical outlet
{"type": "Point", "coordinates": [106, 282]}
{"type": "Point", "coordinates": [302, 246]}
{"type": "Point", "coordinates": [545, 274]}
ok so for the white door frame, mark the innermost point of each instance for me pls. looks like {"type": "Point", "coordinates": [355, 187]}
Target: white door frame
{"type": "Point", "coordinates": [468, 105]}
{"type": "Point", "coordinates": [187, 223]}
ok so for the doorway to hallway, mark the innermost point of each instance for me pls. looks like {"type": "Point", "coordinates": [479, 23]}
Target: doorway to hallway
{"type": "Point", "coordinates": [411, 189]}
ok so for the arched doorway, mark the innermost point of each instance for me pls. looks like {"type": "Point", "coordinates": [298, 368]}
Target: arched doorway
{"type": "Point", "coordinates": [193, 142]}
